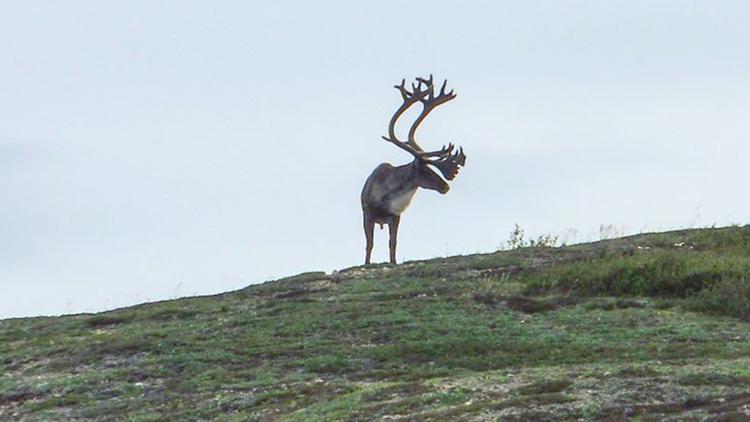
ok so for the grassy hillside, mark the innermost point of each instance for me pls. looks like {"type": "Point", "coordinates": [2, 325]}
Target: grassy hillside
{"type": "Point", "coordinates": [650, 326]}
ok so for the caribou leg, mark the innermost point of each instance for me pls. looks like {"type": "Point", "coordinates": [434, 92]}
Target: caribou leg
{"type": "Point", "coordinates": [393, 229]}
{"type": "Point", "coordinates": [369, 227]}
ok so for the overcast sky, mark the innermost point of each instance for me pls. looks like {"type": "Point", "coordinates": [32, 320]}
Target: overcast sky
{"type": "Point", "coordinates": [151, 150]}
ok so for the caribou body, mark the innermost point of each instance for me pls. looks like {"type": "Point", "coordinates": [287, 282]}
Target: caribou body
{"type": "Point", "coordinates": [389, 189]}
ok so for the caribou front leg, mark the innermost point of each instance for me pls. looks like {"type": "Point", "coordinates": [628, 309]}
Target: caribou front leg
{"type": "Point", "coordinates": [393, 229]}
{"type": "Point", "coordinates": [369, 227]}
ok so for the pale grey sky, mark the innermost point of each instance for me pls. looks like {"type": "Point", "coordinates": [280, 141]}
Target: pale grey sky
{"type": "Point", "coordinates": [151, 150]}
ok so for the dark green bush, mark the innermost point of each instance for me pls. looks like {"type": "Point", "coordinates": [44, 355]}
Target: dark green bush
{"type": "Point", "coordinates": [726, 297]}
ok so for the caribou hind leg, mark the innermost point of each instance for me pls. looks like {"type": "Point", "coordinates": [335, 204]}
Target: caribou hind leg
{"type": "Point", "coordinates": [369, 227]}
{"type": "Point", "coordinates": [393, 229]}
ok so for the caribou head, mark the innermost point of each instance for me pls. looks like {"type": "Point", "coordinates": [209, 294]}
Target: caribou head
{"type": "Point", "coordinates": [389, 190]}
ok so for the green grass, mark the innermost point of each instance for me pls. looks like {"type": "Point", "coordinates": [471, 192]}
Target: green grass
{"type": "Point", "coordinates": [648, 326]}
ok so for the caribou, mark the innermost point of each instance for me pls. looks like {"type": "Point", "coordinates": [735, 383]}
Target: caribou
{"type": "Point", "coordinates": [389, 190]}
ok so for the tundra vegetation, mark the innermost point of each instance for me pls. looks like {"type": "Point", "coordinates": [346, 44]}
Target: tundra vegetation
{"type": "Point", "coordinates": [646, 327]}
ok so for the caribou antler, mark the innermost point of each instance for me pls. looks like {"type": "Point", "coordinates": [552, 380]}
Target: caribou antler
{"type": "Point", "coordinates": [444, 159]}
{"type": "Point", "coordinates": [448, 163]}
{"type": "Point", "coordinates": [410, 98]}
{"type": "Point", "coordinates": [430, 102]}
